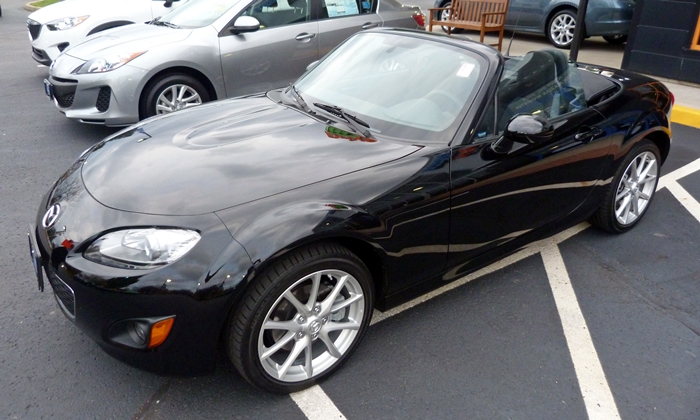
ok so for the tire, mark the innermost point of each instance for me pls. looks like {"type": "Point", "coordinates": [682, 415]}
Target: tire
{"type": "Point", "coordinates": [615, 39]}
{"type": "Point", "coordinates": [560, 28]}
{"type": "Point", "coordinates": [443, 15]}
{"type": "Point", "coordinates": [299, 353]}
{"type": "Point", "coordinates": [628, 199]}
{"type": "Point", "coordinates": [159, 92]}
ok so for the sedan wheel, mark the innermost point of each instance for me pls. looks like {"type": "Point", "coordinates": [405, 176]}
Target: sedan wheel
{"type": "Point", "coordinates": [172, 93]}
{"type": "Point", "coordinates": [615, 39]}
{"type": "Point", "coordinates": [444, 15]}
{"type": "Point", "coordinates": [301, 319]}
{"type": "Point", "coordinates": [635, 185]}
{"type": "Point", "coordinates": [560, 30]}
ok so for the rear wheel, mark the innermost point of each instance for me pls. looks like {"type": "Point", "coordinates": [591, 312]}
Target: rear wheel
{"type": "Point", "coordinates": [444, 15]}
{"type": "Point", "coordinates": [560, 29]}
{"type": "Point", "coordinates": [172, 92]}
{"type": "Point", "coordinates": [631, 190]}
{"type": "Point", "coordinates": [302, 318]}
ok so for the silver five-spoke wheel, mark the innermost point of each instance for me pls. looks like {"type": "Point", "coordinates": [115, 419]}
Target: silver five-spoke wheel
{"type": "Point", "coordinates": [311, 325]}
{"type": "Point", "coordinates": [631, 190]}
{"type": "Point", "coordinates": [636, 188]}
{"type": "Point", "coordinates": [177, 97]}
{"type": "Point", "coordinates": [300, 318]}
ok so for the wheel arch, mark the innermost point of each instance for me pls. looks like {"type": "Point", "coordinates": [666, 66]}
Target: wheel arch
{"type": "Point", "coordinates": [109, 25]}
{"type": "Point", "coordinates": [201, 77]}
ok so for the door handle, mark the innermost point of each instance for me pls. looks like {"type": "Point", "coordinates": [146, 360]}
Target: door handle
{"type": "Point", "coordinates": [587, 134]}
{"type": "Point", "coordinates": [369, 25]}
{"type": "Point", "coordinates": [305, 36]}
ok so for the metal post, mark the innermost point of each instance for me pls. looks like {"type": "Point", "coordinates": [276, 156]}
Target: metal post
{"type": "Point", "coordinates": [579, 30]}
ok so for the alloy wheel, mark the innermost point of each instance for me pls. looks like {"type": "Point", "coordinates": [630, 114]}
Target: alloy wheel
{"type": "Point", "coordinates": [176, 97]}
{"type": "Point", "coordinates": [561, 29]}
{"type": "Point", "coordinates": [311, 325]}
{"type": "Point", "coordinates": [636, 188]}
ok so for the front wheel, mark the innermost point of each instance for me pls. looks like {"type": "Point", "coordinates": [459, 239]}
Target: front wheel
{"type": "Point", "coordinates": [631, 190]}
{"type": "Point", "coordinates": [303, 317]}
{"type": "Point", "coordinates": [560, 29]}
{"type": "Point", "coordinates": [172, 92]}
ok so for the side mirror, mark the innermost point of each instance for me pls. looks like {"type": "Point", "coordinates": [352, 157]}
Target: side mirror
{"type": "Point", "coordinates": [244, 24]}
{"type": "Point", "coordinates": [312, 65]}
{"type": "Point", "coordinates": [168, 3]}
{"type": "Point", "coordinates": [528, 129]}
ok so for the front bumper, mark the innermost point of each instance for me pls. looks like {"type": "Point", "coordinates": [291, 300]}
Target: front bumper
{"type": "Point", "coordinates": [110, 98]}
{"type": "Point", "coordinates": [198, 290]}
{"type": "Point", "coordinates": [47, 45]}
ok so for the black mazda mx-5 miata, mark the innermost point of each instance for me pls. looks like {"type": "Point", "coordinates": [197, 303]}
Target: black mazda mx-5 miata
{"type": "Point", "coordinates": [274, 224]}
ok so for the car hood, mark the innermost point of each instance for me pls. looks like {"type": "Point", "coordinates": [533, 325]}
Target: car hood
{"type": "Point", "coordinates": [126, 39]}
{"type": "Point", "coordinates": [72, 8]}
{"type": "Point", "coordinates": [222, 155]}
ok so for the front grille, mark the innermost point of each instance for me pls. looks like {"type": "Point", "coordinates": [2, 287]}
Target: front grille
{"type": "Point", "coordinates": [64, 294]}
{"type": "Point", "coordinates": [66, 100]}
{"type": "Point", "coordinates": [34, 28]}
{"type": "Point", "coordinates": [103, 97]}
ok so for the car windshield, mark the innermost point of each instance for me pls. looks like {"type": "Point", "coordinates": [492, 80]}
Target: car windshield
{"type": "Point", "coordinates": [198, 13]}
{"type": "Point", "coordinates": [402, 86]}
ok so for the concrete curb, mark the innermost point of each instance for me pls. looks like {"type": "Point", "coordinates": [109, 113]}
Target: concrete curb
{"type": "Point", "coordinates": [686, 116]}
{"type": "Point", "coordinates": [31, 8]}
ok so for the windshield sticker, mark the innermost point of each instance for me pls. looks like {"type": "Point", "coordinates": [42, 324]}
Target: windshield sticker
{"type": "Point", "coordinates": [466, 70]}
{"type": "Point", "coordinates": [342, 8]}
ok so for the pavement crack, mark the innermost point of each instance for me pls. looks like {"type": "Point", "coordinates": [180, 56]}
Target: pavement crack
{"type": "Point", "coordinates": [146, 410]}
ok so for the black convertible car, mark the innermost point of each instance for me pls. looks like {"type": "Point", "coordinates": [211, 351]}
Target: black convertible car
{"type": "Point", "coordinates": [274, 224]}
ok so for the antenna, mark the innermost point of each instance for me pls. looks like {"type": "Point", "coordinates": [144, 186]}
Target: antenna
{"type": "Point", "coordinates": [517, 20]}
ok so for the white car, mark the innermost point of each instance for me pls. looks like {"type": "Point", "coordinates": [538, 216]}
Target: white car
{"type": "Point", "coordinates": [54, 28]}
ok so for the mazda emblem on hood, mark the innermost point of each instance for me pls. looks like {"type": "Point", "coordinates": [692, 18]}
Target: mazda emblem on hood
{"type": "Point", "coordinates": [51, 216]}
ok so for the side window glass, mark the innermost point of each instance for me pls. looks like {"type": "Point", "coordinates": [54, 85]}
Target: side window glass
{"type": "Point", "coordinates": [339, 8]}
{"type": "Point", "coordinates": [272, 13]}
{"type": "Point", "coordinates": [540, 83]}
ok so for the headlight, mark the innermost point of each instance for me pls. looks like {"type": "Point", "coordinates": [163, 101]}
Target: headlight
{"type": "Point", "coordinates": [109, 63]}
{"type": "Point", "coordinates": [141, 248]}
{"type": "Point", "coordinates": [66, 23]}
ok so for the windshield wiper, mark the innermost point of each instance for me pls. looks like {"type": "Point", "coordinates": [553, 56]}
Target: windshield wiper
{"type": "Point", "coordinates": [159, 22]}
{"type": "Point", "coordinates": [299, 99]}
{"type": "Point", "coordinates": [354, 122]}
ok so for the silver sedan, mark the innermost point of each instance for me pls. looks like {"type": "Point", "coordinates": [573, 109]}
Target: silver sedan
{"type": "Point", "coordinates": [207, 50]}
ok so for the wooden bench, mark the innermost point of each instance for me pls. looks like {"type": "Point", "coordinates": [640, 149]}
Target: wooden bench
{"type": "Point", "coordinates": [476, 15]}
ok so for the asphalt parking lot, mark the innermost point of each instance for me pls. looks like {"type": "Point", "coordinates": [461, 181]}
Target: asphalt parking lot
{"type": "Point", "coordinates": [583, 325]}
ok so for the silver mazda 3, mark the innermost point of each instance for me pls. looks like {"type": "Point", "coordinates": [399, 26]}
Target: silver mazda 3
{"type": "Point", "coordinates": [207, 50]}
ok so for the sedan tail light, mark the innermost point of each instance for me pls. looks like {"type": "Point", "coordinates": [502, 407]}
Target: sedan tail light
{"type": "Point", "coordinates": [419, 17]}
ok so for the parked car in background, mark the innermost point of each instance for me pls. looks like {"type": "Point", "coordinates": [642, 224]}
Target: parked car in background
{"type": "Point", "coordinates": [556, 19]}
{"type": "Point", "coordinates": [56, 27]}
{"type": "Point", "coordinates": [273, 225]}
{"type": "Point", "coordinates": [207, 50]}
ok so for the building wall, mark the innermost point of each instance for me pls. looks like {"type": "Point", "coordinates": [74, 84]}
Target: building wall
{"type": "Point", "coordinates": [661, 38]}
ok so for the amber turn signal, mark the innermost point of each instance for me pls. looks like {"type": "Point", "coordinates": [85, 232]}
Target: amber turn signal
{"type": "Point", "coordinates": [160, 331]}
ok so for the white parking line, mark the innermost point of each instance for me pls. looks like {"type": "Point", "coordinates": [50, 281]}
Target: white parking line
{"type": "Point", "coordinates": [597, 397]}
{"type": "Point", "coordinates": [684, 197]}
{"type": "Point", "coordinates": [316, 405]}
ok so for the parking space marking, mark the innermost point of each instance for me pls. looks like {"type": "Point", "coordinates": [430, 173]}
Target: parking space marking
{"type": "Point", "coordinates": [597, 396]}
{"type": "Point", "coordinates": [684, 197]}
{"type": "Point", "coordinates": [316, 405]}
{"type": "Point", "coordinates": [592, 382]}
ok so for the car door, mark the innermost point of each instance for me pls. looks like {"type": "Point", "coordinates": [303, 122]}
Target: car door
{"type": "Point", "coordinates": [273, 56]}
{"type": "Point", "coordinates": [338, 19]}
{"type": "Point", "coordinates": [502, 190]}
